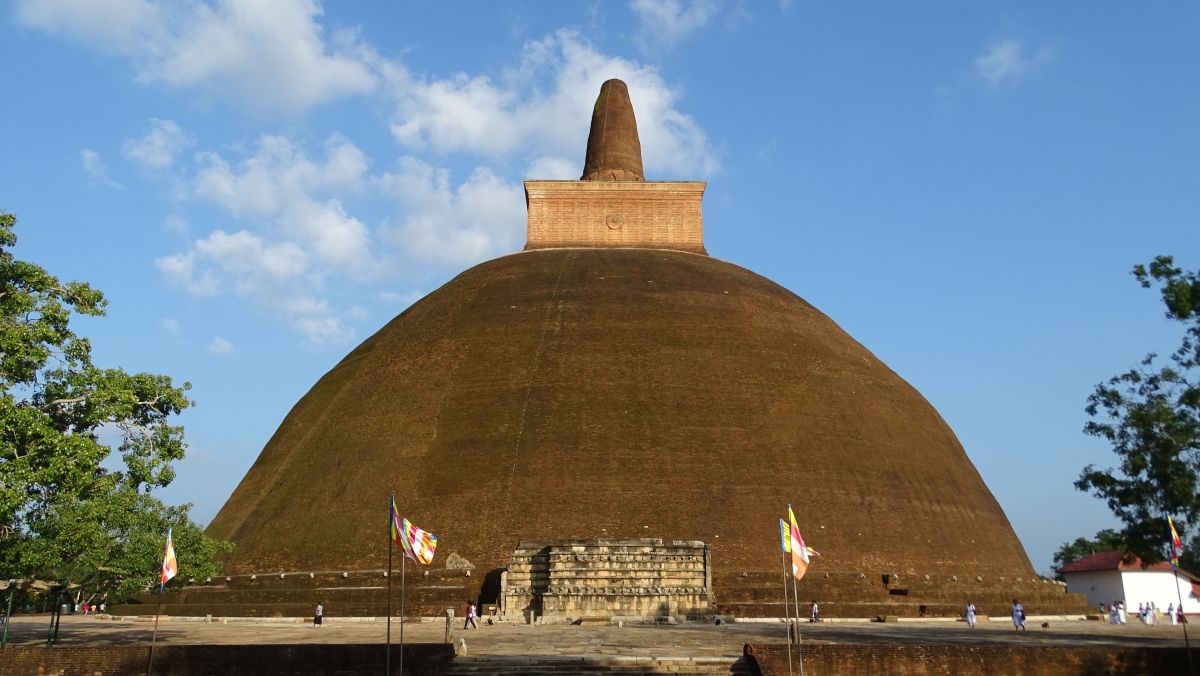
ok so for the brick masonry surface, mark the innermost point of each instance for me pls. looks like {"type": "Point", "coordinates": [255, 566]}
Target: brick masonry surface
{"type": "Point", "coordinates": [197, 660]}
{"type": "Point", "coordinates": [661, 215]}
{"type": "Point", "coordinates": [919, 660]}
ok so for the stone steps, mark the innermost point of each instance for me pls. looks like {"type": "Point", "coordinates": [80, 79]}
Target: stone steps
{"type": "Point", "coordinates": [548, 666]}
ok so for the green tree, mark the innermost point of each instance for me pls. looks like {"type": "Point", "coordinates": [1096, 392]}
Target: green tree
{"type": "Point", "coordinates": [63, 510]}
{"type": "Point", "coordinates": [1106, 540]}
{"type": "Point", "coordinates": [1151, 417]}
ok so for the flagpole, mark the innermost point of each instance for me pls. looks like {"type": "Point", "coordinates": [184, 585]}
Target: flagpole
{"type": "Point", "coordinates": [167, 571]}
{"type": "Point", "coordinates": [795, 594]}
{"type": "Point", "coordinates": [786, 620]}
{"type": "Point", "coordinates": [1186, 644]}
{"type": "Point", "coordinates": [391, 524]}
{"type": "Point", "coordinates": [403, 561]}
{"type": "Point", "coordinates": [154, 636]}
{"type": "Point", "coordinates": [796, 609]}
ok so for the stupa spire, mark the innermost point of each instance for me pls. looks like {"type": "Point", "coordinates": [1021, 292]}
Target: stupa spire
{"type": "Point", "coordinates": [614, 152]}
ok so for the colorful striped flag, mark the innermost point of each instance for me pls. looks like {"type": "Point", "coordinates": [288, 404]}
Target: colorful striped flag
{"type": "Point", "coordinates": [169, 565]}
{"type": "Point", "coordinates": [1176, 544]}
{"type": "Point", "coordinates": [784, 543]}
{"type": "Point", "coordinates": [797, 547]}
{"type": "Point", "coordinates": [418, 544]}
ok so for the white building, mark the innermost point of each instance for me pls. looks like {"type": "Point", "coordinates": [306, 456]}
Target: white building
{"type": "Point", "coordinates": [1105, 577]}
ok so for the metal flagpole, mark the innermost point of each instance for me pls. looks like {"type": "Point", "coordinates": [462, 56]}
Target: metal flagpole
{"type": "Point", "coordinates": [391, 521]}
{"type": "Point", "coordinates": [154, 636]}
{"type": "Point", "coordinates": [796, 609]}
{"type": "Point", "coordinates": [786, 620]}
{"type": "Point", "coordinates": [1186, 644]}
{"type": "Point", "coordinates": [403, 561]}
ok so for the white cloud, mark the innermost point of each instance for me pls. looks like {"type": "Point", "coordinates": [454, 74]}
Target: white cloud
{"type": "Point", "coordinates": [1005, 62]}
{"type": "Point", "coordinates": [275, 276]}
{"type": "Point", "coordinates": [170, 326]}
{"type": "Point", "coordinates": [95, 168]}
{"type": "Point", "coordinates": [159, 147]}
{"type": "Point", "coordinates": [279, 183]}
{"type": "Point", "coordinates": [298, 238]}
{"type": "Point", "coordinates": [400, 300]}
{"type": "Point", "coordinates": [555, 168]}
{"type": "Point", "coordinates": [220, 347]}
{"type": "Point", "coordinates": [666, 23]}
{"type": "Point", "coordinates": [268, 54]}
{"type": "Point", "coordinates": [296, 233]}
{"type": "Point", "coordinates": [476, 220]}
{"type": "Point", "coordinates": [111, 25]}
{"type": "Point", "coordinates": [177, 224]}
{"type": "Point", "coordinates": [543, 107]}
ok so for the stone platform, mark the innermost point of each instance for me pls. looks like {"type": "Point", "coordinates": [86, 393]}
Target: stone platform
{"type": "Point", "coordinates": [590, 579]}
{"type": "Point", "coordinates": [93, 645]}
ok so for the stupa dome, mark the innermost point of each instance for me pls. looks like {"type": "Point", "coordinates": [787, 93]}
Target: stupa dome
{"type": "Point", "coordinates": [621, 393]}
{"type": "Point", "coordinates": [612, 382]}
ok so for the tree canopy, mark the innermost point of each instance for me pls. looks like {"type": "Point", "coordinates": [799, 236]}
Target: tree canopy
{"type": "Point", "coordinates": [64, 510]}
{"type": "Point", "coordinates": [1107, 540]}
{"type": "Point", "coordinates": [1150, 415]}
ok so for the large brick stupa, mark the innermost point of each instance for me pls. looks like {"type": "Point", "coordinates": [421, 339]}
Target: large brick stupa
{"type": "Point", "coordinates": [614, 381]}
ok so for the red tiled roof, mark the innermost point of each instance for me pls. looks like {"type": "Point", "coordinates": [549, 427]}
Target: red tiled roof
{"type": "Point", "coordinates": [1115, 561]}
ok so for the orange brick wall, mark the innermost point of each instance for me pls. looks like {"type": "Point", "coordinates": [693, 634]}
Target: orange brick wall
{"type": "Point", "coordinates": [661, 215]}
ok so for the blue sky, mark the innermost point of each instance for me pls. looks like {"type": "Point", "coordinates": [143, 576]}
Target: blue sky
{"type": "Point", "coordinates": [258, 186]}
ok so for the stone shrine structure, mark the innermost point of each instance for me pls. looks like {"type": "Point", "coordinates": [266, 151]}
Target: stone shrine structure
{"type": "Point", "coordinates": [609, 383]}
{"type": "Point", "coordinates": [638, 579]}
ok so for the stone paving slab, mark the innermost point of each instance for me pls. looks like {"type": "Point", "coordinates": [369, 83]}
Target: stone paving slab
{"type": "Point", "coordinates": [684, 641]}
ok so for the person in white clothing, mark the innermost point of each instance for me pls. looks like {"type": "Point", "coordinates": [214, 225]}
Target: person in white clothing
{"type": "Point", "coordinates": [970, 614]}
{"type": "Point", "coordinates": [1171, 614]}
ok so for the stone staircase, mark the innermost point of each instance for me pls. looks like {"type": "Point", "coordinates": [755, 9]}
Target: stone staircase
{"type": "Point", "coordinates": [741, 666]}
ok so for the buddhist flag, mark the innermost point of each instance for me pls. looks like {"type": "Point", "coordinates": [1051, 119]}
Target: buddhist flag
{"type": "Point", "coordinates": [1176, 544]}
{"type": "Point", "coordinates": [169, 565]}
{"type": "Point", "coordinates": [797, 547]}
{"type": "Point", "coordinates": [784, 537]}
{"type": "Point", "coordinates": [418, 545]}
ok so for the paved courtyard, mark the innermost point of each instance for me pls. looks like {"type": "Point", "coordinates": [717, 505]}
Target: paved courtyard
{"type": "Point", "coordinates": [633, 640]}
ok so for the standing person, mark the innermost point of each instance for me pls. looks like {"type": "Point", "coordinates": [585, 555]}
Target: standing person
{"type": "Point", "coordinates": [1018, 615]}
{"type": "Point", "coordinates": [318, 615]}
{"type": "Point", "coordinates": [1171, 614]}
{"type": "Point", "coordinates": [470, 619]}
{"type": "Point", "coordinates": [816, 612]}
{"type": "Point", "coordinates": [970, 614]}
{"type": "Point", "coordinates": [1121, 618]}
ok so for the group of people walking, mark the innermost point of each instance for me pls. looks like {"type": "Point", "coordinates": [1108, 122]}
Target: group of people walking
{"type": "Point", "coordinates": [971, 614]}
{"type": "Point", "coordinates": [1147, 613]}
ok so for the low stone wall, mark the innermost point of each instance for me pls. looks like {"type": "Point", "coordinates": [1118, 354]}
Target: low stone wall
{"type": "Point", "coordinates": [919, 660]}
{"type": "Point", "coordinates": [294, 594]}
{"type": "Point", "coordinates": [203, 660]}
{"type": "Point", "coordinates": [862, 595]}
